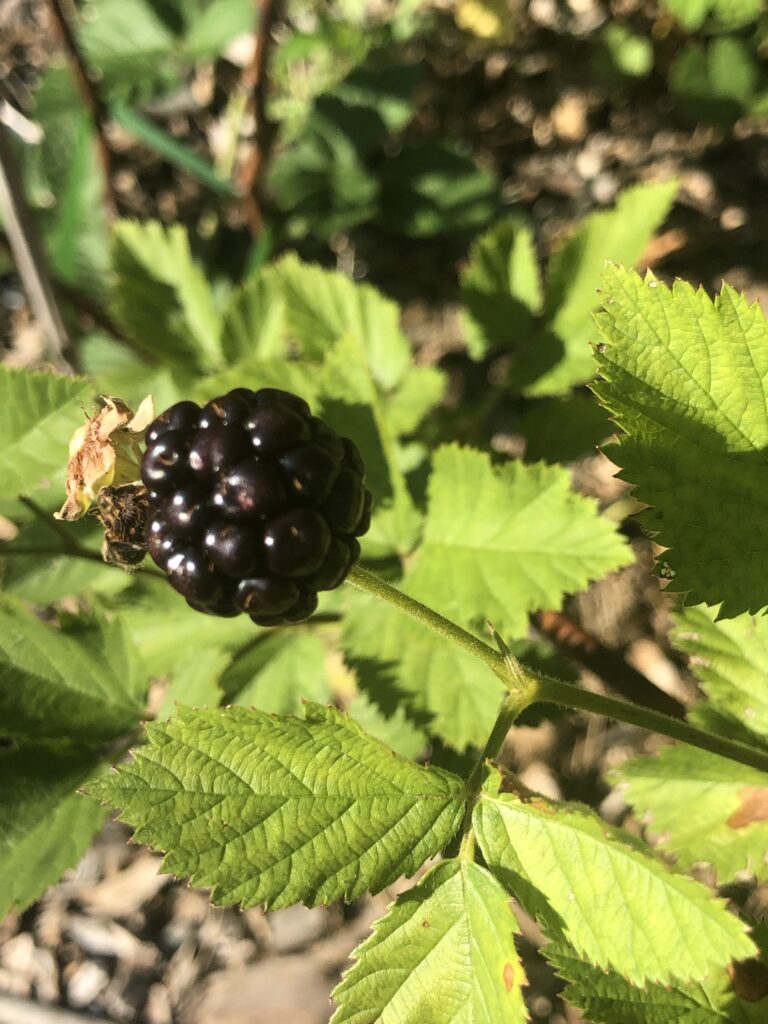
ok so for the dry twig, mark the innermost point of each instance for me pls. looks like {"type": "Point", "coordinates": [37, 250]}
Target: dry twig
{"type": "Point", "coordinates": [90, 96]}
{"type": "Point", "coordinates": [29, 253]}
{"type": "Point", "coordinates": [256, 82]}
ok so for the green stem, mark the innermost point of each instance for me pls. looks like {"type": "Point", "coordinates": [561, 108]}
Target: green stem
{"type": "Point", "coordinates": [552, 691]}
{"type": "Point", "coordinates": [512, 706]}
{"type": "Point", "coordinates": [422, 613]}
{"type": "Point", "coordinates": [542, 689]}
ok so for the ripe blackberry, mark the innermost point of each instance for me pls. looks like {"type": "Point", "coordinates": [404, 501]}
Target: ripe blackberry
{"type": "Point", "coordinates": [254, 504]}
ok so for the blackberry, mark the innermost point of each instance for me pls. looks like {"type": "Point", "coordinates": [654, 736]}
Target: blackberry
{"type": "Point", "coordinates": [254, 504]}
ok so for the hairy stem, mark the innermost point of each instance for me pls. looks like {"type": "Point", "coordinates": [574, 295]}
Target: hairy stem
{"type": "Point", "coordinates": [427, 616]}
{"type": "Point", "coordinates": [551, 691]}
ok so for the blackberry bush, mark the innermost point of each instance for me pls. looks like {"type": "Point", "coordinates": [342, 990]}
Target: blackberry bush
{"type": "Point", "coordinates": [255, 504]}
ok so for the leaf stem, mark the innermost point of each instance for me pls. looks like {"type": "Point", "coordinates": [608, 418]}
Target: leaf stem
{"type": "Point", "coordinates": [537, 688]}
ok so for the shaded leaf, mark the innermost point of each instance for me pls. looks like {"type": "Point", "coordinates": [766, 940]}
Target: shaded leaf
{"type": "Point", "coordinates": [684, 378]}
{"type": "Point", "coordinates": [608, 998]}
{"type": "Point", "coordinates": [161, 297]}
{"type": "Point", "coordinates": [730, 659]}
{"type": "Point", "coordinates": [45, 826]}
{"type": "Point", "coordinates": [85, 686]}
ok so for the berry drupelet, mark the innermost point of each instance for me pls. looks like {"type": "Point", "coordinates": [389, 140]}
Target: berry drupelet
{"type": "Point", "coordinates": [254, 504]}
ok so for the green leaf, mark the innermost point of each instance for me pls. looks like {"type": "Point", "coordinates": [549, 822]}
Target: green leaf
{"type": "Point", "coordinates": [176, 153]}
{"type": "Point", "coordinates": [598, 889]}
{"type": "Point", "coordinates": [562, 429]}
{"type": "Point", "coordinates": [254, 322]}
{"type": "Point", "coordinates": [725, 822]}
{"type": "Point", "coordinates": [161, 623]}
{"type": "Point", "coordinates": [273, 810]}
{"type": "Point", "coordinates": [216, 25]}
{"type": "Point", "coordinates": [419, 391]}
{"type": "Point", "coordinates": [501, 543]}
{"type": "Point", "coordinates": [684, 378]}
{"type": "Point", "coordinates": [86, 686]}
{"type": "Point", "coordinates": [45, 826]}
{"type": "Point", "coordinates": [354, 332]}
{"type": "Point", "coordinates": [77, 238]}
{"type": "Point", "coordinates": [127, 44]}
{"type": "Point", "coordinates": [730, 659]}
{"type": "Point", "coordinates": [161, 298]}
{"type": "Point", "coordinates": [607, 998]}
{"type": "Point", "coordinates": [279, 672]}
{"type": "Point", "coordinates": [730, 14]}
{"type": "Point", "coordinates": [501, 287]}
{"type": "Point", "coordinates": [715, 82]}
{"type": "Point", "coordinates": [396, 731]}
{"type": "Point", "coordinates": [562, 357]}
{"type": "Point", "coordinates": [195, 680]}
{"type": "Point", "coordinates": [431, 188]}
{"type": "Point", "coordinates": [626, 53]}
{"type": "Point", "coordinates": [39, 412]}
{"type": "Point", "coordinates": [324, 306]}
{"type": "Point", "coordinates": [402, 664]}
{"type": "Point", "coordinates": [321, 182]}
{"type": "Point", "coordinates": [444, 951]}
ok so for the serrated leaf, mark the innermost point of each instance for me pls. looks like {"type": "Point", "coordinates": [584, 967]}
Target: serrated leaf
{"type": "Point", "coordinates": [729, 657]}
{"type": "Point", "coordinates": [400, 662]}
{"type": "Point", "coordinates": [45, 826]}
{"type": "Point", "coordinates": [55, 686]}
{"type": "Point", "coordinates": [254, 322]}
{"type": "Point", "coordinates": [684, 378]}
{"type": "Point", "coordinates": [725, 821]}
{"type": "Point", "coordinates": [161, 297]}
{"type": "Point", "coordinates": [195, 680]}
{"type": "Point", "coordinates": [444, 951]}
{"type": "Point", "coordinates": [324, 306]}
{"type": "Point", "coordinates": [501, 543]}
{"type": "Point", "coordinates": [39, 412]}
{"type": "Point", "coordinates": [160, 624]}
{"type": "Point", "coordinates": [278, 673]}
{"type": "Point", "coordinates": [596, 888]}
{"type": "Point", "coordinates": [273, 810]}
{"type": "Point", "coordinates": [562, 357]}
{"type": "Point", "coordinates": [608, 998]}
{"type": "Point", "coordinates": [395, 731]}
{"type": "Point", "coordinates": [501, 287]}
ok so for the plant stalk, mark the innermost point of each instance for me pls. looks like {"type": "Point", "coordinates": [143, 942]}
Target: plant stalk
{"type": "Point", "coordinates": [376, 587]}
{"type": "Point", "coordinates": [552, 691]}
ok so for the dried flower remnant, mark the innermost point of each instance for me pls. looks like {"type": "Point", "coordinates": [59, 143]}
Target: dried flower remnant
{"type": "Point", "coordinates": [105, 452]}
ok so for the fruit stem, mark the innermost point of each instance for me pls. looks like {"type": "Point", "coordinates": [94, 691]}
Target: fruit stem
{"type": "Point", "coordinates": [531, 687]}
{"type": "Point", "coordinates": [376, 587]}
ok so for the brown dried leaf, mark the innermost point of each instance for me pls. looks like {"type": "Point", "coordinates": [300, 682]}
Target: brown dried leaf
{"type": "Point", "coordinates": [104, 452]}
{"type": "Point", "coordinates": [753, 807]}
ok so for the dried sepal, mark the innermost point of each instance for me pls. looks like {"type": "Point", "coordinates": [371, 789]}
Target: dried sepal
{"type": "Point", "coordinates": [104, 452]}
